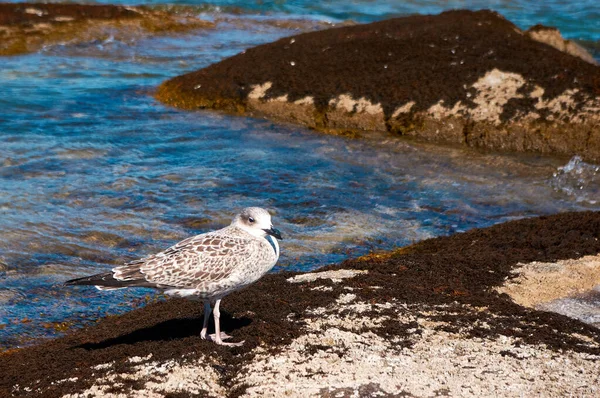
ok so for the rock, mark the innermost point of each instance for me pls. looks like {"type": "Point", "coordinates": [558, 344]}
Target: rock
{"type": "Point", "coordinates": [423, 320]}
{"type": "Point", "coordinates": [552, 37]}
{"type": "Point", "coordinates": [27, 27]}
{"type": "Point", "coordinates": [538, 283]}
{"type": "Point", "coordinates": [461, 77]}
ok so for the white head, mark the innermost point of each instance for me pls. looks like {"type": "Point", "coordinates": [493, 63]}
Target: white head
{"type": "Point", "coordinates": [256, 221]}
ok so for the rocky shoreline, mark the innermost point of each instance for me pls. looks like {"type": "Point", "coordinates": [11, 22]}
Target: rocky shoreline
{"type": "Point", "coordinates": [459, 316]}
{"type": "Point", "coordinates": [423, 320]}
{"type": "Point", "coordinates": [461, 77]}
{"type": "Point", "coordinates": [28, 27]}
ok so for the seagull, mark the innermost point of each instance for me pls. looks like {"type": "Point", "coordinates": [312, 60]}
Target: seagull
{"type": "Point", "coordinates": [204, 267]}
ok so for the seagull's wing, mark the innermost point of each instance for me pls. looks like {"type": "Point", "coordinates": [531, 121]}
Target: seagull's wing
{"type": "Point", "coordinates": [197, 260]}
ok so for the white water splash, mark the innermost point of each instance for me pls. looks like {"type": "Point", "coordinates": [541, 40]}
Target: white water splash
{"type": "Point", "coordinates": [578, 179]}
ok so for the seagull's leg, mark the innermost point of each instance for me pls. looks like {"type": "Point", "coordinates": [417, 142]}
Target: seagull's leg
{"type": "Point", "coordinates": [206, 318]}
{"type": "Point", "coordinates": [218, 336]}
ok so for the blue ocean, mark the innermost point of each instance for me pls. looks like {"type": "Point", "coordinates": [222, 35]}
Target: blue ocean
{"type": "Point", "coordinates": [94, 172]}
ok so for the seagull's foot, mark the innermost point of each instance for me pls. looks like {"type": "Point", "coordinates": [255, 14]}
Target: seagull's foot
{"type": "Point", "coordinates": [224, 336]}
{"type": "Point", "coordinates": [239, 344]}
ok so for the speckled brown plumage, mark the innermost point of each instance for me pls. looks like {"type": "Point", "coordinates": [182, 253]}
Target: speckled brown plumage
{"type": "Point", "coordinates": [204, 267]}
{"type": "Point", "coordinates": [214, 264]}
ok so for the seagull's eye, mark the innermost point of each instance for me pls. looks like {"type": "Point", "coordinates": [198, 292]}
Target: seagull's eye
{"type": "Point", "coordinates": [250, 219]}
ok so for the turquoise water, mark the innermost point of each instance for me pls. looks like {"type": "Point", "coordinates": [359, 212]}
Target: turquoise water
{"type": "Point", "coordinates": [94, 172]}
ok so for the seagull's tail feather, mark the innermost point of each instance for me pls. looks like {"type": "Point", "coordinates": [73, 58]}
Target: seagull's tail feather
{"type": "Point", "coordinates": [107, 281]}
{"type": "Point", "coordinates": [98, 279]}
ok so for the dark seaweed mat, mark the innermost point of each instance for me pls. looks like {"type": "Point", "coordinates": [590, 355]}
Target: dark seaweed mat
{"type": "Point", "coordinates": [454, 270]}
{"type": "Point", "coordinates": [421, 58]}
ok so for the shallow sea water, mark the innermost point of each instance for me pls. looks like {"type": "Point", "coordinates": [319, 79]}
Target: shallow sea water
{"type": "Point", "coordinates": [94, 172]}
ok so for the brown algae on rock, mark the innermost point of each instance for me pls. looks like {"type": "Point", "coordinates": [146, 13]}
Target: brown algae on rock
{"type": "Point", "coordinates": [461, 77]}
{"type": "Point", "coordinates": [28, 27]}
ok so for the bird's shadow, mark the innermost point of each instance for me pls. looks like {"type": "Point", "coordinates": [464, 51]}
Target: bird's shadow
{"type": "Point", "coordinates": [170, 330]}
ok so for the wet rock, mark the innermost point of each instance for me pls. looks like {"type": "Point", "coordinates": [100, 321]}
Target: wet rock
{"type": "Point", "coordinates": [424, 320]}
{"type": "Point", "coordinates": [461, 77]}
{"type": "Point", "coordinates": [27, 27]}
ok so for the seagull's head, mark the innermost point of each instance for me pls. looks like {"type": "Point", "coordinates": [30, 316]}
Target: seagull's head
{"type": "Point", "coordinates": [256, 221]}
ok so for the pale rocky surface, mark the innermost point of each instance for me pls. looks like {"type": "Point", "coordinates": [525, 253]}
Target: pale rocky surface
{"type": "Point", "coordinates": [333, 358]}
{"type": "Point", "coordinates": [538, 283]}
{"type": "Point", "coordinates": [156, 380]}
{"type": "Point", "coordinates": [552, 37]}
{"type": "Point", "coordinates": [334, 276]}
{"type": "Point", "coordinates": [339, 355]}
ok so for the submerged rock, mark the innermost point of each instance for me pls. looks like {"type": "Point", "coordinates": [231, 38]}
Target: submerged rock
{"type": "Point", "coordinates": [460, 77]}
{"type": "Point", "coordinates": [424, 320]}
{"type": "Point", "coordinates": [27, 27]}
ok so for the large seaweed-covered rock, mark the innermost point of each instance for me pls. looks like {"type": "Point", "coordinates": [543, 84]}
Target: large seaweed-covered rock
{"type": "Point", "coordinates": [27, 27]}
{"type": "Point", "coordinates": [460, 77]}
{"type": "Point", "coordinates": [434, 318]}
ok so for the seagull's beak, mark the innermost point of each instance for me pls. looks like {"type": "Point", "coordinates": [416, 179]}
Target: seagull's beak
{"type": "Point", "coordinates": [273, 232]}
